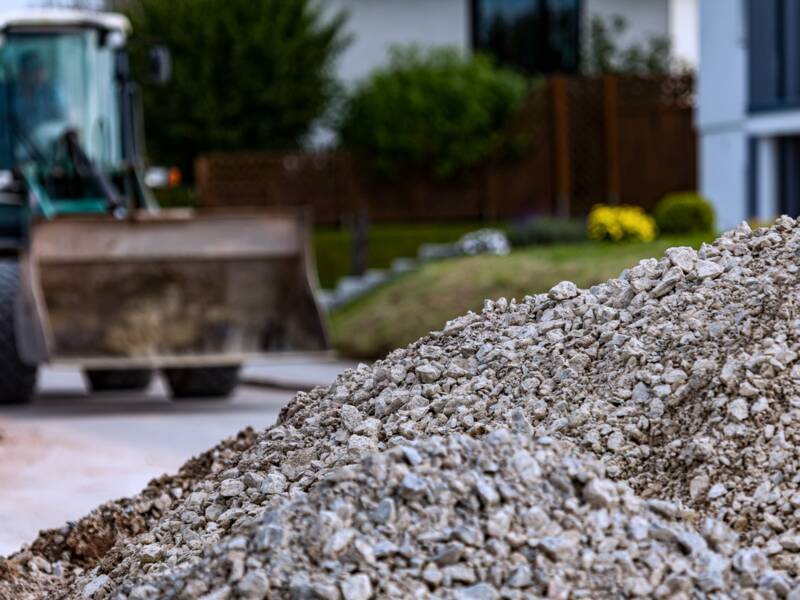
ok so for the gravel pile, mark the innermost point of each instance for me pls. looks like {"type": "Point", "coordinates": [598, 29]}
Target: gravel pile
{"type": "Point", "coordinates": [467, 519]}
{"type": "Point", "coordinates": [681, 377]}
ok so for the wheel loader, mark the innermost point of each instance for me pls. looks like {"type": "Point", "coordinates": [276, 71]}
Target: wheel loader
{"type": "Point", "coordinates": [93, 274]}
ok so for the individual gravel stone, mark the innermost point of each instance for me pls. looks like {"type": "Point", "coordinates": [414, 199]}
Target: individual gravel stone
{"type": "Point", "coordinates": [274, 483]}
{"type": "Point", "coordinates": [151, 553]}
{"type": "Point", "coordinates": [601, 493]}
{"type": "Point", "coordinates": [682, 257]}
{"type": "Point", "coordinates": [428, 373]}
{"type": "Point", "coordinates": [356, 587]}
{"type": "Point", "coordinates": [520, 577]}
{"type": "Point", "coordinates": [698, 487]}
{"type": "Point", "coordinates": [351, 418]}
{"type": "Point", "coordinates": [253, 586]}
{"type": "Point", "coordinates": [481, 591]}
{"type": "Point", "coordinates": [563, 291]}
{"type": "Point", "coordinates": [384, 512]}
{"type": "Point", "coordinates": [97, 588]}
{"type": "Point", "coordinates": [668, 282]}
{"type": "Point", "coordinates": [708, 269]}
{"type": "Point", "coordinates": [231, 487]}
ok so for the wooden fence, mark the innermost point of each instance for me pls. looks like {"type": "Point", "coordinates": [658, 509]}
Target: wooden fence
{"type": "Point", "coordinates": [608, 139]}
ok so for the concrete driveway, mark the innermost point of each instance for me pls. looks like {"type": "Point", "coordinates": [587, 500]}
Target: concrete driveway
{"type": "Point", "coordinates": [69, 450]}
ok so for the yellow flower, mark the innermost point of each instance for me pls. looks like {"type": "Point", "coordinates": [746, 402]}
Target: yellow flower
{"type": "Point", "coordinates": [620, 223]}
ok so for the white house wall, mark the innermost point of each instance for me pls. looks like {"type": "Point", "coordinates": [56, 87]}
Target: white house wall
{"type": "Point", "coordinates": [721, 113]}
{"type": "Point", "coordinates": [377, 25]}
{"type": "Point", "coordinates": [684, 31]}
{"type": "Point", "coordinates": [722, 86]}
{"type": "Point", "coordinates": [723, 175]}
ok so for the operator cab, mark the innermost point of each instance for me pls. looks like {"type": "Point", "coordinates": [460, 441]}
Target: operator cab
{"type": "Point", "coordinates": [56, 70]}
{"type": "Point", "coordinates": [67, 111]}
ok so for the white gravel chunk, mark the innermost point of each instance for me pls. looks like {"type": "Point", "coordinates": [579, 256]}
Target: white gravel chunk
{"type": "Point", "coordinates": [563, 291]}
{"type": "Point", "coordinates": [707, 269]}
{"type": "Point", "coordinates": [356, 587]}
{"type": "Point", "coordinates": [231, 487]}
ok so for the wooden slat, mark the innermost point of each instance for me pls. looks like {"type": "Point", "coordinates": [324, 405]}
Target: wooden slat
{"type": "Point", "coordinates": [613, 166]}
{"type": "Point", "coordinates": [561, 154]}
{"type": "Point", "coordinates": [627, 139]}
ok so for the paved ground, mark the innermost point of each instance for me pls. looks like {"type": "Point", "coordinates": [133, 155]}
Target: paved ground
{"type": "Point", "coordinates": [69, 451]}
{"type": "Point", "coordinates": [295, 372]}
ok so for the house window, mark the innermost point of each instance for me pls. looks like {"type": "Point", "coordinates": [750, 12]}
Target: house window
{"type": "Point", "coordinates": [534, 36]}
{"type": "Point", "coordinates": [788, 182]}
{"type": "Point", "coordinates": [774, 53]}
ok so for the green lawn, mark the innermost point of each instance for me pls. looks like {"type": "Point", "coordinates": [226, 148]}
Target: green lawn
{"type": "Point", "coordinates": [408, 308]}
{"type": "Point", "coordinates": [386, 242]}
{"type": "Point", "coordinates": [333, 245]}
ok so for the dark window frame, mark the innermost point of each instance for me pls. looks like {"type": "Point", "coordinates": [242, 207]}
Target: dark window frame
{"type": "Point", "coordinates": [773, 55]}
{"type": "Point", "coordinates": [536, 46]}
{"type": "Point", "coordinates": [788, 182]}
{"type": "Point", "coordinates": [753, 176]}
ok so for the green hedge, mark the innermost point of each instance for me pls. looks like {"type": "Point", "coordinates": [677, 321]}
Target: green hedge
{"type": "Point", "coordinates": [435, 112]}
{"type": "Point", "coordinates": [684, 212]}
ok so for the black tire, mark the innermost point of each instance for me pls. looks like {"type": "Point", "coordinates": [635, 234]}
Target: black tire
{"type": "Point", "coordinates": [202, 382]}
{"type": "Point", "coordinates": [17, 379]}
{"type": "Point", "coordinates": [119, 380]}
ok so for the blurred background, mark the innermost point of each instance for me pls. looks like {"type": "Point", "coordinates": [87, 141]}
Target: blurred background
{"type": "Point", "coordinates": [567, 137]}
{"type": "Point", "coordinates": [407, 125]}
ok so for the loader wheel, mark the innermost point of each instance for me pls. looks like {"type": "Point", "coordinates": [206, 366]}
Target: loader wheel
{"type": "Point", "coordinates": [119, 380]}
{"type": "Point", "coordinates": [17, 379]}
{"type": "Point", "coordinates": [202, 382]}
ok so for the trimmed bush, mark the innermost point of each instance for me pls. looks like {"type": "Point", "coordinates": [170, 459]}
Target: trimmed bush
{"type": "Point", "coordinates": [547, 230]}
{"type": "Point", "coordinates": [435, 112]}
{"type": "Point", "coordinates": [620, 223]}
{"type": "Point", "coordinates": [684, 212]}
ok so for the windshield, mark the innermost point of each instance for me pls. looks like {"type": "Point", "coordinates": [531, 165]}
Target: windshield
{"type": "Point", "coordinates": [51, 83]}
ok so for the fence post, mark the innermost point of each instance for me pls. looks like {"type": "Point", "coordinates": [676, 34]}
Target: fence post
{"type": "Point", "coordinates": [358, 219]}
{"type": "Point", "coordinates": [560, 117]}
{"type": "Point", "coordinates": [359, 260]}
{"type": "Point", "coordinates": [611, 129]}
{"type": "Point", "coordinates": [203, 179]}
{"type": "Point", "coordinates": [488, 203]}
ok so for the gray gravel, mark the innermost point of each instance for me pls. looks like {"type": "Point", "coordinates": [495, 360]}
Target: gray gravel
{"type": "Point", "coordinates": [582, 443]}
{"type": "Point", "coordinates": [506, 516]}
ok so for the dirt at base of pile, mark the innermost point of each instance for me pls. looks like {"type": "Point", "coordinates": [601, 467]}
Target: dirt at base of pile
{"type": "Point", "coordinates": [681, 377]}
{"type": "Point", "coordinates": [81, 545]}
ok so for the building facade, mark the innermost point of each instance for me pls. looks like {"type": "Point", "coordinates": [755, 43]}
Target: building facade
{"type": "Point", "coordinates": [749, 108]}
{"type": "Point", "coordinates": [538, 36]}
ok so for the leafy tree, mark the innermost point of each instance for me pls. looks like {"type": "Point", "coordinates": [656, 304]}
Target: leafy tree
{"type": "Point", "coordinates": [603, 53]}
{"type": "Point", "coordinates": [434, 111]}
{"type": "Point", "coordinates": [247, 74]}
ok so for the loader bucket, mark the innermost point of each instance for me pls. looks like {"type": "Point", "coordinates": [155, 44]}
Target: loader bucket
{"type": "Point", "coordinates": [175, 288]}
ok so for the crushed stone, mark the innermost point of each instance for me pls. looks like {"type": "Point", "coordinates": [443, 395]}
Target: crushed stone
{"type": "Point", "coordinates": [680, 378]}
{"type": "Point", "coordinates": [505, 516]}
